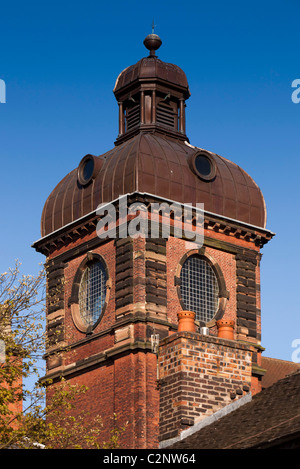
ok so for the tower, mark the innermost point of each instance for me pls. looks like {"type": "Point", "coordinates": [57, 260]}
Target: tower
{"type": "Point", "coordinates": [110, 294]}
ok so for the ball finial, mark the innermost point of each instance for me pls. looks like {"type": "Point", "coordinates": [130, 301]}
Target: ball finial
{"type": "Point", "coordinates": [152, 42]}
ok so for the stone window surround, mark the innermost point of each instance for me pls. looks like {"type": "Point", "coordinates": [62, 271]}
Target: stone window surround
{"type": "Point", "coordinates": [74, 299]}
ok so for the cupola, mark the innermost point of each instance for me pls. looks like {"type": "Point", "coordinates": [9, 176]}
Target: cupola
{"type": "Point", "coordinates": [151, 95]}
{"type": "Point", "coordinates": [152, 155]}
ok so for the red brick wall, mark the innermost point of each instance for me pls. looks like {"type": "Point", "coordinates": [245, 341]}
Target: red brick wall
{"type": "Point", "coordinates": [176, 248]}
{"type": "Point", "coordinates": [198, 376]}
{"type": "Point", "coordinates": [137, 399]}
{"type": "Point", "coordinates": [126, 387]}
{"type": "Point", "coordinates": [126, 384]}
{"type": "Point", "coordinates": [107, 251]}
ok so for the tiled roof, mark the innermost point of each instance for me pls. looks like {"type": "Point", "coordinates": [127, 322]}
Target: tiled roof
{"type": "Point", "coordinates": [271, 418]}
{"type": "Point", "coordinates": [276, 369]}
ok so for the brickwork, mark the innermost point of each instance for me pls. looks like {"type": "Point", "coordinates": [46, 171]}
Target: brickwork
{"type": "Point", "coordinates": [124, 275]}
{"type": "Point", "coordinates": [176, 249]}
{"type": "Point", "coordinates": [115, 361]}
{"type": "Point", "coordinates": [108, 253]}
{"type": "Point", "coordinates": [198, 376]}
{"type": "Point", "coordinates": [247, 295]}
{"type": "Point", "coordinates": [143, 298]}
{"type": "Point", "coordinates": [156, 277]}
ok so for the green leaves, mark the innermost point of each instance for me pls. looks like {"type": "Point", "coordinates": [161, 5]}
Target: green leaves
{"type": "Point", "coordinates": [25, 420]}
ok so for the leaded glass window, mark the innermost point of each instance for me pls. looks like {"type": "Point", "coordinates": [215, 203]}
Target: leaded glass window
{"type": "Point", "coordinates": [199, 288]}
{"type": "Point", "coordinates": [92, 293]}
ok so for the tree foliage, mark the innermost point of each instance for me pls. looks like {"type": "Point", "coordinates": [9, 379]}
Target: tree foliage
{"type": "Point", "coordinates": [25, 419]}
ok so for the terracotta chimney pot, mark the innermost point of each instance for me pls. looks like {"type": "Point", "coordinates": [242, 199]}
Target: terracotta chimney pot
{"type": "Point", "coordinates": [186, 321]}
{"type": "Point", "coordinates": [226, 329]}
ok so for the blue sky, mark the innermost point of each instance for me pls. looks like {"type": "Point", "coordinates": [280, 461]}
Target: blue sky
{"type": "Point", "coordinates": [60, 60]}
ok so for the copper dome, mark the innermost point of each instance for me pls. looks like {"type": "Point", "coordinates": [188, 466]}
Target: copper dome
{"type": "Point", "coordinates": [156, 164]}
{"type": "Point", "coordinates": [152, 68]}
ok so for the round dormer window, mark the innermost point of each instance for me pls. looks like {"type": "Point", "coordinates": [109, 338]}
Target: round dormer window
{"type": "Point", "coordinates": [204, 166]}
{"type": "Point", "coordinates": [86, 170]}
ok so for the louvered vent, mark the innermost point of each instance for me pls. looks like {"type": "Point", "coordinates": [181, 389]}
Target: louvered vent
{"type": "Point", "coordinates": [133, 116]}
{"type": "Point", "coordinates": [165, 115]}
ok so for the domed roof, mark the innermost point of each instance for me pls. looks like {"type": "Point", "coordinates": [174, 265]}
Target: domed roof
{"type": "Point", "coordinates": [152, 68]}
{"type": "Point", "coordinates": [164, 167]}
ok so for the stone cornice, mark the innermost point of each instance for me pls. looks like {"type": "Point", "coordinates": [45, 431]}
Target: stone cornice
{"type": "Point", "coordinates": [86, 225]}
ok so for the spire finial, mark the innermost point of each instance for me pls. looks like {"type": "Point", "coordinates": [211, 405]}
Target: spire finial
{"type": "Point", "coordinates": [153, 26]}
